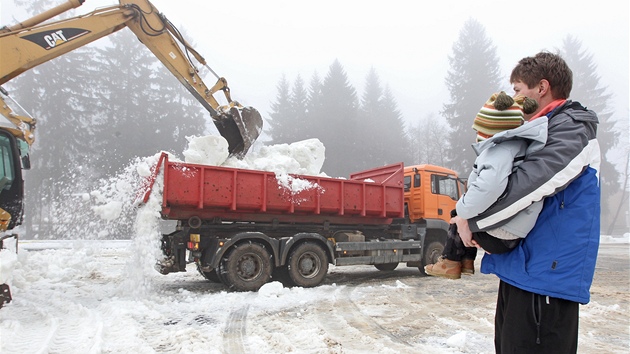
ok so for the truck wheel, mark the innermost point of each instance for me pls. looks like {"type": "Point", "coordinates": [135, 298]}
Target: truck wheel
{"type": "Point", "coordinates": [307, 265]}
{"type": "Point", "coordinates": [247, 267]}
{"type": "Point", "coordinates": [211, 275]}
{"type": "Point", "coordinates": [431, 254]}
{"type": "Point", "coordinates": [386, 267]}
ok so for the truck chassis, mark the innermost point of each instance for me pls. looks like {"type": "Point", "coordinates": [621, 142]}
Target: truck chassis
{"type": "Point", "coordinates": [245, 256]}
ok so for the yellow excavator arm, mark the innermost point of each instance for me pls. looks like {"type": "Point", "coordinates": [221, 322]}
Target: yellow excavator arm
{"type": "Point", "coordinates": [33, 42]}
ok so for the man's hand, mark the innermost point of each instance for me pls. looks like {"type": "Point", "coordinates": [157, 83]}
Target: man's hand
{"type": "Point", "coordinates": [464, 231]}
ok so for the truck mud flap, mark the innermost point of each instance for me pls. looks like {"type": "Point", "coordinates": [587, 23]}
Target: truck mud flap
{"type": "Point", "coordinates": [174, 251]}
{"type": "Point", "coordinates": [167, 265]}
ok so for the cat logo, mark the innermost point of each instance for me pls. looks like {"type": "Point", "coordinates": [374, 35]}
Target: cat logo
{"type": "Point", "coordinates": [54, 38]}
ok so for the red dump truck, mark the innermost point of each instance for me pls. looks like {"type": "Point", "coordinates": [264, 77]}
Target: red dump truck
{"type": "Point", "coordinates": [244, 228]}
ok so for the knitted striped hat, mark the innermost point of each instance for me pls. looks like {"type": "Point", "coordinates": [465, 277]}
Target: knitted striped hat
{"type": "Point", "coordinates": [502, 112]}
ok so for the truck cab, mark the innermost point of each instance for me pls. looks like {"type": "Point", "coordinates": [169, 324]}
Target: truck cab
{"type": "Point", "coordinates": [431, 192]}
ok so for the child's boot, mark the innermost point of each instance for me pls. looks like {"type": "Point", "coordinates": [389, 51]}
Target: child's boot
{"type": "Point", "coordinates": [445, 268]}
{"type": "Point", "coordinates": [468, 266]}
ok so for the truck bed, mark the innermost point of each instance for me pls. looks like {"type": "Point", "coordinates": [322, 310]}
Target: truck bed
{"type": "Point", "coordinates": [220, 194]}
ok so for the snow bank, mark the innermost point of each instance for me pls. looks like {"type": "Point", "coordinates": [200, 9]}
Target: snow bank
{"type": "Point", "coordinates": [8, 259]}
{"type": "Point", "coordinates": [615, 239]}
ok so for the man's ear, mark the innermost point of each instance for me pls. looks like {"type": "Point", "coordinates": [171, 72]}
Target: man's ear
{"type": "Point", "coordinates": [544, 87]}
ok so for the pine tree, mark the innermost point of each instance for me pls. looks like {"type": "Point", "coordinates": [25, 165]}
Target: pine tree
{"type": "Point", "coordinates": [474, 75]}
{"type": "Point", "coordinates": [335, 123]}
{"type": "Point", "coordinates": [128, 101]}
{"type": "Point", "coordinates": [429, 140]}
{"type": "Point", "coordinates": [396, 137]}
{"type": "Point", "coordinates": [371, 119]}
{"type": "Point", "coordinates": [313, 105]}
{"type": "Point", "coordinates": [380, 119]}
{"type": "Point", "coordinates": [587, 91]}
{"type": "Point", "coordinates": [178, 114]}
{"type": "Point", "coordinates": [281, 114]}
{"type": "Point", "coordinates": [299, 110]}
{"type": "Point", "coordinates": [60, 95]}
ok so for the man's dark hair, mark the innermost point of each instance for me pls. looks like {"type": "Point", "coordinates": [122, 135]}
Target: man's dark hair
{"type": "Point", "coordinates": [548, 66]}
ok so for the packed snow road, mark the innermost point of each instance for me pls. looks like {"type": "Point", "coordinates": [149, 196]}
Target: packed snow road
{"type": "Point", "coordinates": [86, 297]}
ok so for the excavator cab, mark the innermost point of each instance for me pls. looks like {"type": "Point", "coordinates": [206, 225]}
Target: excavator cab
{"type": "Point", "coordinates": [11, 183]}
{"type": "Point", "coordinates": [11, 196]}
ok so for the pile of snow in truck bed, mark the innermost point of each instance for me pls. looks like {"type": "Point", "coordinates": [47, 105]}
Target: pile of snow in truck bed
{"type": "Point", "coordinates": [304, 157]}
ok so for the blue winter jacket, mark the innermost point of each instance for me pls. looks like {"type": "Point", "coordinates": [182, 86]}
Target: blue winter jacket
{"type": "Point", "coordinates": [557, 258]}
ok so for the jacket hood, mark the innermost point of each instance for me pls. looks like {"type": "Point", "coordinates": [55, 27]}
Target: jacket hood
{"type": "Point", "coordinates": [535, 132]}
{"type": "Point", "coordinates": [576, 111]}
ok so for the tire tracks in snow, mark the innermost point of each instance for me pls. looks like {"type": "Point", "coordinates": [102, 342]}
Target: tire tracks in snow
{"type": "Point", "coordinates": [235, 332]}
{"type": "Point", "coordinates": [55, 333]}
{"type": "Point", "coordinates": [368, 275]}
{"type": "Point", "coordinates": [365, 334]}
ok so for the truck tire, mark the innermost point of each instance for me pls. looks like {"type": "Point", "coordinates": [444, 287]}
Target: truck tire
{"type": "Point", "coordinates": [431, 254]}
{"type": "Point", "coordinates": [386, 267]}
{"type": "Point", "coordinates": [211, 275]}
{"type": "Point", "coordinates": [307, 265]}
{"type": "Point", "coordinates": [247, 267]}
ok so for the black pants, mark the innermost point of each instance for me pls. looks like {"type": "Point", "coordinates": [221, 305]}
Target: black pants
{"type": "Point", "coordinates": [530, 323]}
{"type": "Point", "coordinates": [455, 250]}
{"type": "Point", "coordinates": [494, 245]}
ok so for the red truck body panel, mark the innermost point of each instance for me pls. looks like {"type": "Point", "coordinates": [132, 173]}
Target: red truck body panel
{"type": "Point", "coordinates": [232, 194]}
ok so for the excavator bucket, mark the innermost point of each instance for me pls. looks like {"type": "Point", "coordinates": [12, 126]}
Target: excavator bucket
{"type": "Point", "coordinates": [240, 126]}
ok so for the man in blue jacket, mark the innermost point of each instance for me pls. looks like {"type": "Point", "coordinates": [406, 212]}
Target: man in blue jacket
{"type": "Point", "coordinates": [544, 279]}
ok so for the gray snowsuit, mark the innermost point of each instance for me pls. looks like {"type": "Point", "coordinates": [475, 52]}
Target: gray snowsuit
{"type": "Point", "coordinates": [497, 157]}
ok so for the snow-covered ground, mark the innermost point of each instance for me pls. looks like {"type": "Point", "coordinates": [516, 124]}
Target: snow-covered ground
{"type": "Point", "coordinates": [74, 297]}
{"type": "Point", "coordinates": [98, 296]}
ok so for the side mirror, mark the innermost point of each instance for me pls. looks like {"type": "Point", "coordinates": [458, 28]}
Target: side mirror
{"type": "Point", "coordinates": [3, 182]}
{"type": "Point", "coordinates": [26, 162]}
{"type": "Point", "coordinates": [24, 155]}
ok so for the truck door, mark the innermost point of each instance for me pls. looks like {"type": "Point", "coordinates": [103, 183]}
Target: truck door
{"type": "Point", "coordinates": [414, 196]}
{"type": "Point", "coordinates": [443, 197]}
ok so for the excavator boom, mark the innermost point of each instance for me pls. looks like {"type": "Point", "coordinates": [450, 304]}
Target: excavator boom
{"type": "Point", "coordinates": [34, 41]}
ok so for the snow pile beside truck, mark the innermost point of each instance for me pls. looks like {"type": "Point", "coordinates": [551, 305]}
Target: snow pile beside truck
{"type": "Point", "coordinates": [8, 259]}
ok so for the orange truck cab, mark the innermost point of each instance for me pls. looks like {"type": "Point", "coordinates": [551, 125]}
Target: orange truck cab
{"type": "Point", "coordinates": [430, 193]}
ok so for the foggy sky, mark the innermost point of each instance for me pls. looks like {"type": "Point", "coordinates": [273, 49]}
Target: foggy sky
{"type": "Point", "coordinates": [252, 43]}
